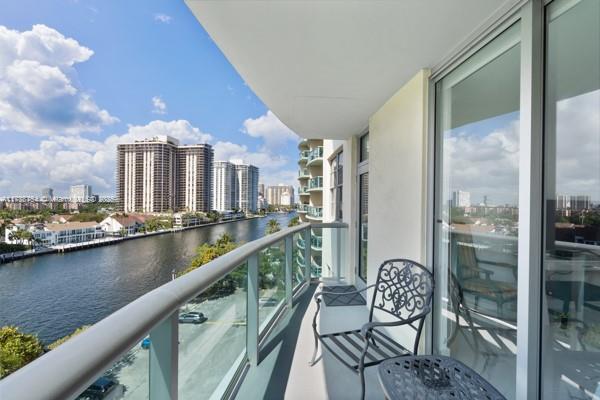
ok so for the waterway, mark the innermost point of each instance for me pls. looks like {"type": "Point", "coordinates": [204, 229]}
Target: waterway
{"type": "Point", "coordinates": [54, 294]}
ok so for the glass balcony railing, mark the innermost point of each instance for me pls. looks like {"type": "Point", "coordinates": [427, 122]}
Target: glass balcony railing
{"type": "Point", "coordinates": [304, 155]}
{"type": "Point", "coordinates": [315, 154]}
{"type": "Point", "coordinates": [303, 190]}
{"type": "Point", "coordinates": [302, 208]}
{"type": "Point", "coordinates": [316, 242]}
{"type": "Point", "coordinates": [303, 173]}
{"type": "Point", "coordinates": [192, 337]}
{"type": "Point", "coordinates": [315, 212]}
{"type": "Point", "coordinates": [315, 183]}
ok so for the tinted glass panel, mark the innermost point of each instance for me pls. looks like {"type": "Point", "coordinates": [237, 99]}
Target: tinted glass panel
{"type": "Point", "coordinates": [477, 142]}
{"type": "Point", "coordinates": [571, 295]}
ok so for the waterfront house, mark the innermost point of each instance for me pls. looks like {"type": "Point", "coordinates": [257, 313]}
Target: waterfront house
{"type": "Point", "coordinates": [119, 224]}
{"type": "Point", "coordinates": [430, 106]}
{"type": "Point", "coordinates": [55, 233]}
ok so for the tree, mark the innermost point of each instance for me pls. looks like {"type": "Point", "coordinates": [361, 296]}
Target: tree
{"type": "Point", "coordinates": [208, 252]}
{"type": "Point", "coordinates": [17, 349]}
{"type": "Point", "coordinates": [294, 221]}
{"type": "Point", "coordinates": [272, 227]}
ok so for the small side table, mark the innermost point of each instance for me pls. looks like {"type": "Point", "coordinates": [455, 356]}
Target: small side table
{"type": "Point", "coordinates": [432, 377]}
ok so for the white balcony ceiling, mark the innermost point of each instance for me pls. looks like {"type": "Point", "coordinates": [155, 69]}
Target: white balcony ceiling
{"type": "Point", "coordinates": [324, 67]}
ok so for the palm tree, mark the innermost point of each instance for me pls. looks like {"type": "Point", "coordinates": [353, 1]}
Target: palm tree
{"type": "Point", "coordinates": [273, 226]}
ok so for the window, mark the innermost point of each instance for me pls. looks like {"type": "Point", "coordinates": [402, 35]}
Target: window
{"type": "Point", "coordinates": [477, 197]}
{"type": "Point", "coordinates": [363, 205]}
{"type": "Point", "coordinates": [337, 180]}
{"type": "Point", "coordinates": [571, 266]}
{"type": "Point", "coordinates": [364, 148]}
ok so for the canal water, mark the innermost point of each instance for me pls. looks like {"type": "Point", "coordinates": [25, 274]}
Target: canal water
{"type": "Point", "coordinates": [52, 295]}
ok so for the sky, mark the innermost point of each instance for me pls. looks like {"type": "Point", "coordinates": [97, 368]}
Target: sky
{"type": "Point", "coordinates": [78, 77]}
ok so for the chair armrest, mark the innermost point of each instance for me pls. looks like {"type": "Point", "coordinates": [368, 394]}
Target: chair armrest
{"type": "Point", "coordinates": [369, 326]}
{"type": "Point", "coordinates": [322, 292]}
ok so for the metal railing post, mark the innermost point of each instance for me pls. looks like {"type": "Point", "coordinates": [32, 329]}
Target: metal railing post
{"type": "Point", "coordinates": [252, 317]}
{"type": "Point", "coordinates": [289, 267]}
{"type": "Point", "coordinates": [307, 260]}
{"type": "Point", "coordinates": [163, 364]}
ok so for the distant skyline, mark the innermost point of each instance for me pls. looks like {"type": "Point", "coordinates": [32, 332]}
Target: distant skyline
{"type": "Point", "coordinates": [75, 84]}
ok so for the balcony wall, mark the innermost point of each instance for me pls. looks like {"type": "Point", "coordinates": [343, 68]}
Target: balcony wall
{"type": "Point", "coordinates": [397, 170]}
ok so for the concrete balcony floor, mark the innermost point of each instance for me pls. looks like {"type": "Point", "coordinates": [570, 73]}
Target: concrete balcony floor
{"type": "Point", "coordinates": [284, 371]}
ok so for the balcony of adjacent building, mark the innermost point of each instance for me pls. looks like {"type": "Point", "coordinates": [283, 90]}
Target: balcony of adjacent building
{"type": "Point", "coordinates": [315, 184]}
{"type": "Point", "coordinates": [303, 144]}
{"type": "Point", "coordinates": [302, 208]}
{"type": "Point", "coordinates": [315, 157]}
{"type": "Point", "coordinates": [314, 213]}
{"type": "Point", "coordinates": [304, 157]}
{"type": "Point", "coordinates": [303, 191]}
{"type": "Point", "coordinates": [303, 173]}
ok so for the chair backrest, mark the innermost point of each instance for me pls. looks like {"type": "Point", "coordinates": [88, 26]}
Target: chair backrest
{"type": "Point", "coordinates": [404, 289]}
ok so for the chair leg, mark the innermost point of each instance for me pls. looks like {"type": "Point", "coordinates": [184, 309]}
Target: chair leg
{"type": "Point", "coordinates": [361, 367]}
{"type": "Point", "coordinates": [316, 334]}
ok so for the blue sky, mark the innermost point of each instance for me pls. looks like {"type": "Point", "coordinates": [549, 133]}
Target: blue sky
{"type": "Point", "coordinates": [92, 74]}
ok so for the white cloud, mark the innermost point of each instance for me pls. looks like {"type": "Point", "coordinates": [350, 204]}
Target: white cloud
{"type": "Point", "coordinates": [38, 90]}
{"type": "Point", "coordinates": [160, 107]}
{"type": "Point", "coordinates": [578, 145]}
{"type": "Point", "coordinates": [484, 163]}
{"type": "Point", "coordinates": [61, 161]}
{"type": "Point", "coordinates": [163, 18]}
{"type": "Point", "coordinates": [270, 129]}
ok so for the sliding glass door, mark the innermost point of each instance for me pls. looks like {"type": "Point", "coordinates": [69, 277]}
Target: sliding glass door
{"type": "Point", "coordinates": [476, 212]}
{"type": "Point", "coordinates": [571, 295]}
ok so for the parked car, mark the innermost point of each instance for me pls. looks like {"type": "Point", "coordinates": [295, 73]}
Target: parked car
{"type": "Point", "coordinates": [99, 389]}
{"type": "Point", "coordinates": [192, 317]}
{"type": "Point", "coordinates": [267, 302]}
{"type": "Point", "coordinates": [146, 343]}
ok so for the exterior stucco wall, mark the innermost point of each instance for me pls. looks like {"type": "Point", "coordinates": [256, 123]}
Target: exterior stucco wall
{"type": "Point", "coordinates": [398, 177]}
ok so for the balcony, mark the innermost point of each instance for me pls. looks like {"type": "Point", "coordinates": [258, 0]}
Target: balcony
{"type": "Point", "coordinates": [303, 191]}
{"type": "Point", "coordinates": [315, 184]}
{"type": "Point", "coordinates": [302, 208]}
{"type": "Point", "coordinates": [256, 298]}
{"type": "Point", "coordinates": [314, 213]}
{"type": "Point", "coordinates": [303, 144]}
{"type": "Point", "coordinates": [304, 156]}
{"type": "Point", "coordinates": [315, 157]}
{"type": "Point", "coordinates": [303, 173]}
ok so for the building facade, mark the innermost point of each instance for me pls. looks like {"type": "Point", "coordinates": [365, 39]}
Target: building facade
{"type": "Point", "coordinates": [225, 193]}
{"type": "Point", "coordinates": [247, 186]}
{"type": "Point", "coordinates": [310, 198]}
{"type": "Point", "coordinates": [235, 186]}
{"type": "Point", "coordinates": [194, 177]}
{"type": "Point", "coordinates": [47, 194]}
{"type": "Point", "coordinates": [80, 193]}
{"type": "Point", "coordinates": [157, 175]}
{"type": "Point", "coordinates": [280, 195]}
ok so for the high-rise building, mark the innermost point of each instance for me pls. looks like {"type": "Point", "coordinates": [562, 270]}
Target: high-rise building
{"type": "Point", "coordinates": [461, 199]}
{"type": "Point", "coordinates": [47, 194]}
{"type": "Point", "coordinates": [194, 177]}
{"type": "Point", "coordinates": [80, 193]}
{"type": "Point", "coordinates": [235, 186]}
{"type": "Point", "coordinates": [224, 186]}
{"type": "Point", "coordinates": [261, 189]}
{"type": "Point", "coordinates": [157, 174]}
{"type": "Point", "coordinates": [247, 186]}
{"type": "Point", "coordinates": [281, 195]}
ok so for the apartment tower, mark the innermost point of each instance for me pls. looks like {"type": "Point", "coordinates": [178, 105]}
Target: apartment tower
{"type": "Point", "coordinates": [156, 175]}
{"type": "Point", "coordinates": [225, 192]}
{"type": "Point", "coordinates": [194, 177]}
{"type": "Point", "coordinates": [247, 184]}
